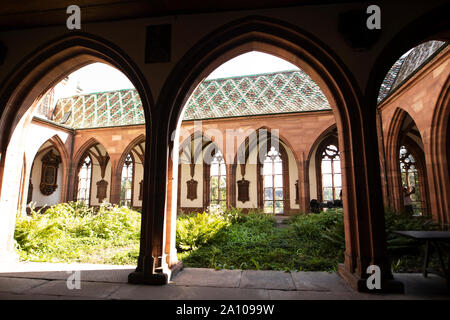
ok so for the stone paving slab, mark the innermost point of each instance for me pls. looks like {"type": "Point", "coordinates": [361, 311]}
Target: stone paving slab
{"type": "Point", "coordinates": [98, 290]}
{"type": "Point", "coordinates": [432, 285]}
{"type": "Point", "coordinates": [110, 282]}
{"type": "Point", "coordinates": [202, 277]}
{"type": "Point", "coordinates": [14, 285]}
{"type": "Point", "coordinates": [313, 295]}
{"type": "Point", "coordinates": [319, 281]}
{"type": "Point", "coordinates": [48, 267]}
{"type": "Point", "coordinates": [12, 296]}
{"type": "Point", "coordinates": [177, 292]}
{"type": "Point", "coordinates": [267, 279]}
{"type": "Point", "coordinates": [113, 276]}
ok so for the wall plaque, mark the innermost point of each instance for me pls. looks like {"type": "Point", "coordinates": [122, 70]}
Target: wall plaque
{"type": "Point", "coordinates": [243, 190]}
{"type": "Point", "coordinates": [141, 190]}
{"type": "Point", "coordinates": [49, 173]}
{"type": "Point", "coordinates": [191, 189]}
{"type": "Point", "coordinates": [102, 187]}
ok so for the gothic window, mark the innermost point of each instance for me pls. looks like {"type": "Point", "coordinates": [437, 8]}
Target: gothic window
{"type": "Point", "coordinates": [273, 182]}
{"type": "Point", "coordinates": [126, 188]}
{"type": "Point", "coordinates": [410, 177]}
{"type": "Point", "coordinates": [218, 181]}
{"type": "Point", "coordinates": [331, 173]}
{"type": "Point", "coordinates": [84, 180]}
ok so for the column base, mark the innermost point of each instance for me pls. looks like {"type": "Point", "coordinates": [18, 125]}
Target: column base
{"type": "Point", "coordinates": [157, 278]}
{"type": "Point", "coordinates": [360, 285]}
{"type": "Point", "coordinates": [175, 269]}
{"type": "Point", "coordinates": [160, 277]}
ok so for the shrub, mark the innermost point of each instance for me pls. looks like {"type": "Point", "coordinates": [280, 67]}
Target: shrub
{"type": "Point", "coordinates": [194, 230]}
{"type": "Point", "coordinates": [75, 232]}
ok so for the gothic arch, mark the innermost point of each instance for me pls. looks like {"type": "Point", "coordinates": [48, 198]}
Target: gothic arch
{"type": "Point", "coordinates": [361, 212]}
{"type": "Point", "coordinates": [207, 147]}
{"type": "Point", "coordinates": [432, 25]}
{"type": "Point", "coordinates": [83, 149]}
{"type": "Point", "coordinates": [30, 79]}
{"type": "Point", "coordinates": [394, 140]}
{"type": "Point", "coordinates": [51, 62]}
{"type": "Point", "coordinates": [306, 194]}
{"type": "Point", "coordinates": [81, 153]}
{"type": "Point", "coordinates": [330, 139]}
{"type": "Point", "coordinates": [117, 169]}
{"type": "Point", "coordinates": [244, 150]}
{"type": "Point", "coordinates": [439, 150]}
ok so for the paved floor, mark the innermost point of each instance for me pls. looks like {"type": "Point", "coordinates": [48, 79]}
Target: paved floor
{"type": "Point", "coordinates": [50, 281]}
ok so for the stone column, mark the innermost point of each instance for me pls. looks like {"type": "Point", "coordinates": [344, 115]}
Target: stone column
{"type": "Point", "coordinates": [171, 216]}
{"type": "Point", "coordinates": [365, 238]}
{"type": "Point", "coordinates": [116, 178]}
{"type": "Point", "coordinates": [152, 266]}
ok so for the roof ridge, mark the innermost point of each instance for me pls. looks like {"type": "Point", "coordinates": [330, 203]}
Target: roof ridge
{"type": "Point", "coordinates": [253, 75]}
{"type": "Point", "coordinates": [96, 93]}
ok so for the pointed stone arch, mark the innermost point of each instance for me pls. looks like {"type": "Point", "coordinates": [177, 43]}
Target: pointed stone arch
{"type": "Point", "coordinates": [394, 140]}
{"type": "Point", "coordinates": [31, 78]}
{"type": "Point", "coordinates": [242, 155]}
{"type": "Point", "coordinates": [364, 226]}
{"type": "Point", "coordinates": [439, 151]}
{"type": "Point", "coordinates": [206, 147]}
{"type": "Point", "coordinates": [81, 153]}
{"type": "Point", "coordinates": [117, 168]}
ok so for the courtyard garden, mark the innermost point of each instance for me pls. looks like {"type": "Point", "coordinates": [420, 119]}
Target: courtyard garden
{"type": "Point", "coordinates": [230, 239]}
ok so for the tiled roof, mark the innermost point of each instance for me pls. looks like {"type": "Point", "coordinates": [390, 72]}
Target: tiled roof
{"type": "Point", "coordinates": [104, 109]}
{"type": "Point", "coordinates": [407, 65]}
{"type": "Point", "coordinates": [270, 93]}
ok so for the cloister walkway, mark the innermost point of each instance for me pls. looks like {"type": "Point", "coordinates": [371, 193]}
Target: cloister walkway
{"type": "Point", "coordinates": [46, 281]}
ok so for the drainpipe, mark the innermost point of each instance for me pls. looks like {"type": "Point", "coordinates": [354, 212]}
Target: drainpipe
{"type": "Point", "coordinates": [383, 155]}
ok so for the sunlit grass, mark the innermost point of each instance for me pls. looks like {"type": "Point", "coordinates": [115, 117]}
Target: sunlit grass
{"type": "Point", "coordinates": [73, 232]}
{"type": "Point", "coordinates": [230, 239]}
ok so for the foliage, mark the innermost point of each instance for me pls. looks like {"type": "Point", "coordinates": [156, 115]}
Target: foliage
{"type": "Point", "coordinates": [230, 239]}
{"type": "Point", "coordinates": [254, 241]}
{"type": "Point", "coordinates": [195, 230]}
{"type": "Point", "coordinates": [74, 232]}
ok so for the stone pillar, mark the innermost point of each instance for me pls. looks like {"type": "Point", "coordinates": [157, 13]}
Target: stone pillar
{"type": "Point", "coordinates": [171, 216]}
{"type": "Point", "coordinates": [365, 238]}
{"type": "Point", "coordinates": [152, 266]}
{"type": "Point", "coordinates": [231, 185]}
{"type": "Point", "coordinates": [116, 178]}
{"type": "Point", "coordinates": [303, 184]}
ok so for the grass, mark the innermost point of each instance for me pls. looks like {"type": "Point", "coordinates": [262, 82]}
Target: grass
{"type": "Point", "coordinates": [252, 241]}
{"type": "Point", "coordinates": [73, 232]}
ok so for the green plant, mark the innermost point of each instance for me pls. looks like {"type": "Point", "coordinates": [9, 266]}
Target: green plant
{"type": "Point", "coordinates": [194, 230]}
{"type": "Point", "coordinates": [74, 232]}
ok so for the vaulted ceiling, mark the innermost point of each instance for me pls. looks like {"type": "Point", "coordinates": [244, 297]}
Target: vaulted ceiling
{"type": "Point", "coordinates": [33, 13]}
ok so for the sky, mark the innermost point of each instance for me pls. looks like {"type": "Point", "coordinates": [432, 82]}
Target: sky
{"type": "Point", "coordinates": [251, 63]}
{"type": "Point", "coordinates": [98, 77]}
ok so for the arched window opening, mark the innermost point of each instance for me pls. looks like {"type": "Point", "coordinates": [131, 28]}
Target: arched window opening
{"type": "Point", "coordinates": [273, 182]}
{"type": "Point", "coordinates": [410, 181]}
{"type": "Point", "coordinates": [218, 181]}
{"type": "Point", "coordinates": [331, 173]}
{"type": "Point", "coordinates": [126, 188]}
{"type": "Point", "coordinates": [84, 181]}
